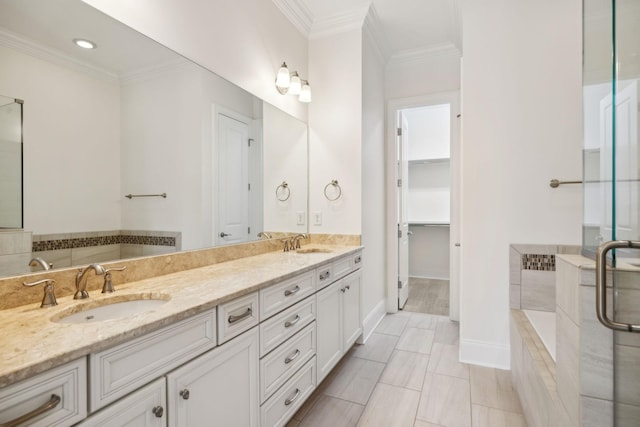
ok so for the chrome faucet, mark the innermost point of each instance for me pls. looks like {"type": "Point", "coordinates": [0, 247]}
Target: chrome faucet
{"type": "Point", "coordinates": [39, 261]}
{"type": "Point", "coordinates": [81, 280]}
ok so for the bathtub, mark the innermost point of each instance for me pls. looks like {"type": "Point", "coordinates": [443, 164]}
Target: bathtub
{"type": "Point", "coordinates": [544, 322]}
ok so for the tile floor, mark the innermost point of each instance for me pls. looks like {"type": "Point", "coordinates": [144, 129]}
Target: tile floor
{"type": "Point", "coordinates": [428, 296]}
{"type": "Point", "coordinates": [408, 374]}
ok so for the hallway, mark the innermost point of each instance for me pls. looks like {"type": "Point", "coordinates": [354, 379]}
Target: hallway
{"type": "Point", "coordinates": [408, 374]}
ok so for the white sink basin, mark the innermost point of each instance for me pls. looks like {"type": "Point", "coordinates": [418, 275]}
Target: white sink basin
{"type": "Point", "coordinates": [111, 309]}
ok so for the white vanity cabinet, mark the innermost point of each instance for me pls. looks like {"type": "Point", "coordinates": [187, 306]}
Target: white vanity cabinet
{"type": "Point", "coordinates": [338, 321]}
{"type": "Point", "coordinates": [56, 397]}
{"type": "Point", "coordinates": [219, 388]}
{"type": "Point", "coordinates": [146, 407]}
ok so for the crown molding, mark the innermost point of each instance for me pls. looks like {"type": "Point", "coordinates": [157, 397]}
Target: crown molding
{"type": "Point", "coordinates": [372, 29]}
{"type": "Point", "coordinates": [352, 19]}
{"type": "Point", "coordinates": [14, 41]}
{"type": "Point", "coordinates": [297, 13]}
{"type": "Point", "coordinates": [158, 70]}
{"type": "Point", "coordinates": [424, 54]}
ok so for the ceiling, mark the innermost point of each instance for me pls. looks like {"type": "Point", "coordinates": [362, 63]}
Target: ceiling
{"type": "Point", "coordinates": [404, 28]}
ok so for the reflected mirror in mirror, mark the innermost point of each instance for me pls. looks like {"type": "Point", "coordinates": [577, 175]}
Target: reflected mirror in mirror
{"type": "Point", "coordinates": [132, 117]}
{"type": "Point", "coordinates": [10, 163]}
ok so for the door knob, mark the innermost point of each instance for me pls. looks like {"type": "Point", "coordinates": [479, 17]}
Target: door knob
{"type": "Point", "coordinates": [223, 234]}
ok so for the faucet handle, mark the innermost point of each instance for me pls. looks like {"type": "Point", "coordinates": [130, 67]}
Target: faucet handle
{"type": "Point", "coordinates": [49, 298]}
{"type": "Point", "coordinates": [107, 287]}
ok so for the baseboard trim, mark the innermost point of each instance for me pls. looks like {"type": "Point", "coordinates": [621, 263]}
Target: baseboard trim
{"type": "Point", "coordinates": [372, 320]}
{"type": "Point", "coordinates": [485, 354]}
{"type": "Point", "coordinates": [428, 277]}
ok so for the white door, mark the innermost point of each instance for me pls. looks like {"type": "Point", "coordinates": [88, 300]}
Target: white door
{"type": "Point", "coordinates": [233, 180]}
{"type": "Point", "coordinates": [626, 164]}
{"type": "Point", "coordinates": [403, 222]}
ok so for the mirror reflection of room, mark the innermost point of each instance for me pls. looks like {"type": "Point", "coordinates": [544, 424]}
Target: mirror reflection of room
{"type": "Point", "coordinates": [132, 150]}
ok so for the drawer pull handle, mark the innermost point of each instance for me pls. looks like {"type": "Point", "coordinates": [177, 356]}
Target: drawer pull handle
{"type": "Point", "coordinates": [50, 404]}
{"type": "Point", "coordinates": [239, 317]}
{"type": "Point", "coordinates": [291, 358]}
{"type": "Point", "coordinates": [292, 399]}
{"type": "Point", "coordinates": [325, 275]}
{"type": "Point", "coordinates": [184, 394]}
{"type": "Point", "coordinates": [158, 411]}
{"type": "Point", "coordinates": [290, 323]}
{"type": "Point", "coordinates": [291, 291]}
{"type": "Point", "coordinates": [357, 260]}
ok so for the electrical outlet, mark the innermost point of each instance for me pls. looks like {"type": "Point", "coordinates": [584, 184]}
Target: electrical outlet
{"type": "Point", "coordinates": [317, 218]}
{"type": "Point", "coordinates": [300, 217]}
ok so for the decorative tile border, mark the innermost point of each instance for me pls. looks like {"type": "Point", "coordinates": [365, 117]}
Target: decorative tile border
{"type": "Point", "coordinates": [539, 262]}
{"type": "Point", "coordinates": [84, 242]}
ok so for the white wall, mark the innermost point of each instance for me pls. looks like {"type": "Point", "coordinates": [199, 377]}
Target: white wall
{"type": "Point", "coordinates": [521, 87]}
{"type": "Point", "coordinates": [429, 252]}
{"type": "Point", "coordinates": [285, 154]}
{"type": "Point", "coordinates": [373, 181]}
{"type": "Point", "coordinates": [244, 41]}
{"type": "Point", "coordinates": [429, 132]}
{"type": "Point", "coordinates": [335, 133]}
{"type": "Point", "coordinates": [438, 73]}
{"type": "Point", "coordinates": [66, 111]}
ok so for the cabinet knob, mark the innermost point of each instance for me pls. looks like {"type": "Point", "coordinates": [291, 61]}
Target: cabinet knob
{"type": "Point", "coordinates": [343, 290]}
{"type": "Point", "coordinates": [158, 411]}
{"type": "Point", "coordinates": [184, 394]}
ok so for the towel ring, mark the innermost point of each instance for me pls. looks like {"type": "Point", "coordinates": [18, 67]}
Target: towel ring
{"type": "Point", "coordinates": [283, 192]}
{"type": "Point", "coordinates": [335, 184]}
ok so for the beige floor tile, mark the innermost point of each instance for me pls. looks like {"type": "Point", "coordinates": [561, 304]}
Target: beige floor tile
{"type": "Point", "coordinates": [492, 387]}
{"type": "Point", "coordinates": [444, 359]}
{"type": "Point", "coordinates": [424, 321]}
{"type": "Point", "coordinates": [293, 423]}
{"type": "Point", "coordinates": [354, 380]}
{"type": "Point", "coordinates": [483, 416]}
{"type": "Point", "coordinates": [390, 406]}
{"type": "Point", "coordinates": [377, 348]}
{"type": "Point", "coordinates": [308, 404]}
{"type": "Point", "coordinates": [405, 369]}
{"type": "Point", "coordinates": [428, 296]}
{"type": "Point", "coordinates": [416, 340]}
{"type": "Point", "coordinates": [330, 412]}
{"type": "Point", "coordinates": [420, 423]}
{"type": "Point", "coordinates": [447, 332]}
{"type": "Point", "coordinates": [392, 324]}
{"type": "Point", "coordinates": [445, 400]}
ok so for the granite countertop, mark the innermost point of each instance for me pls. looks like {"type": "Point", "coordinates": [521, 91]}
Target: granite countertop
{"type": "Point", "coordinates": [33, 343]}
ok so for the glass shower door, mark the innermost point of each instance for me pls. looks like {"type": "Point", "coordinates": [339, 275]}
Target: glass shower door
{"type": "Point", "coordinates": [10, 163]}
{"type": "Point", "coordinates": [611, 158]}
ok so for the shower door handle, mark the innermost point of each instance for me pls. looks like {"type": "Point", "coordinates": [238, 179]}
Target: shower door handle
{"type": "Point", "coordinates": [601, 285]}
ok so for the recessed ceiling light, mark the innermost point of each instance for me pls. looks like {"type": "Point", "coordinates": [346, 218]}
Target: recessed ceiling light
{"type": "Point", "coordinates": [85, 44]}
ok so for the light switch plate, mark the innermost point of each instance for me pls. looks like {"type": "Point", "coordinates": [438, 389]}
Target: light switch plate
{"type": "Point", "coordinates": [300, 217]}
{"type": "Point", "coordinates": [317, 218]}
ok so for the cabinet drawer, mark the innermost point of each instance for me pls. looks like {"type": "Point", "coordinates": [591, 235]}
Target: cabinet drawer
{"type": "Point", "coordinates": [121, 369]}
{"type": "Point", "coordinates": [280, 364]}
{"type": "Point", "coordinates": [144, 407]}
{"type": "Point", "coordinates": [278, 297]}
{"type": "Point", "coordinates": [281, 406]}
{"type": "Point", "coordinates": [280, 327]}
{"type": "Point", "coordinates": [356, 261]}
{"type": "Point", "coordinates": [237, 316]}
{"type": "Point", "coordinates": [324, 276]}
{"type": "Point", "coordinates": [63, 390]}
{"type": "Point", "coordinates": [341, 267]}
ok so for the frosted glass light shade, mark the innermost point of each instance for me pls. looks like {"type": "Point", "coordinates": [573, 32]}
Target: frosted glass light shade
{"type": "Point", "coordinates": [283, 78]}
{"type": "Point", "coordinates": [295, 86]}
{"type": "Point", "coordinates": [305, 93]}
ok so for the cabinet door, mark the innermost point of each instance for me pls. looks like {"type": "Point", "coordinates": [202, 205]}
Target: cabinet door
{"type": "Point", "coordinates": [352, 323]}
{"type": "Point", "coordinates": [329, 328]}
{"type": "Point", "coordinates": [219, 388]}
{"type": "Point", "coordinates": [146, 407]}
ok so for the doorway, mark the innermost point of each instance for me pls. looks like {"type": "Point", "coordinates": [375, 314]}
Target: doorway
{"type": "Point", "coordinates": [423, 190]}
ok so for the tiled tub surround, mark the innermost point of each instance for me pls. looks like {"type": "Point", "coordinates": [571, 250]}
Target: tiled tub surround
{"type": "Point", "coordinates": [578, 389]}
{"type": "Point", "coordinates": [532, 275]}
{"type": "Point", "coordinates": [15, 251]}
{"type": "Point", "coordinates": [14, 294]}
{"type": "Point", "coordinates": [32, 343]}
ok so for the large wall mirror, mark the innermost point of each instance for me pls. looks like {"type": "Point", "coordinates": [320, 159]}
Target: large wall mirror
{"type": "Point", "coordinates": [202, 161]}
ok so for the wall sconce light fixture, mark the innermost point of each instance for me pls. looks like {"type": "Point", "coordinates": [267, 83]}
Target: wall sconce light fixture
{"type": "Point", "coordinates": [290, 83]}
